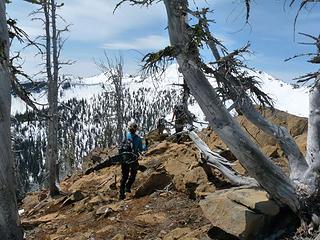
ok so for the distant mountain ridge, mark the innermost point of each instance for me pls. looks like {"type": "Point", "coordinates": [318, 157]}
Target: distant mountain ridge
{"type": "Point", "coordinates": [287, 97]}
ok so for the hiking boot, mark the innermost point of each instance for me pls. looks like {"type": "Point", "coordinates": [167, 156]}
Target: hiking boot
{"type": "Point", "coordinates": [122, 196]}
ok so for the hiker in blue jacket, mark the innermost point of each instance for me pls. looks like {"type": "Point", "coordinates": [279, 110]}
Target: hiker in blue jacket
{"type": "Point", "coordinates": [132, 166]}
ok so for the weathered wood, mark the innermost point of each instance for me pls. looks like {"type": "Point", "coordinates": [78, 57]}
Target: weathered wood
{"type": "Point", "coordinates": [313, 146]}
{"type": "Point", "coordinates": [114, 72]}
{"type": "Point", "coordinates": [222, 164]}
{"type": "Point", "coordinates": [8, 205]}
{"type": "Point", "coordinates": [269, 176]}
{"type": "Point", "coordinates": [52, 74]}
{"type": "Point", "coordinates": [297, 162]}
{"type": "Point", "coordinates": [311, 176]}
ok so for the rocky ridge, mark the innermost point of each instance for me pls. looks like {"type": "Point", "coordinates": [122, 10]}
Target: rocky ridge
{"type": "Point", "coordinates": [177, 197]}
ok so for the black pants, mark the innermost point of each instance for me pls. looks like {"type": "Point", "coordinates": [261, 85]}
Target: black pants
{"type": "Point", "coordinates": [179, 128]}
{"type": "Point", "coordinates": [127, 181]}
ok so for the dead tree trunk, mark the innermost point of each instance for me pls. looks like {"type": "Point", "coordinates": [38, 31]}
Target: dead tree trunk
{"type": "Point", "coordinates": [51, 51]}
{"type": "Point", "coordinates": [313, 157]}
{"type": "Point", "coordinates": [297, 162]}
{"type": "Point", "coordinates": [114, 71]}
{"type": "Point", "coordinates": [270, 177]}
{"type": "Point", "coordinates": [219, 162]}
{"type": "Point", "coordinates": [313, 143]}
{"type": "Point", "coordinates": [119, 99]}
{"type": "Point", "coordinates": [8, 207]}
{"type": "Point", "coordinates": [301, 195]}
{"type": "Point", "coordinates": [53, 46]}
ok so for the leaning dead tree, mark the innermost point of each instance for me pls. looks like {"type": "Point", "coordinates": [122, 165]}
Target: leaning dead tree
{"type": "Point", "coordinates": [8, 206]}
{"type": "Point", "coordinates": [189, 31]}
{"type": "Point", "coordinates": [234, 84]}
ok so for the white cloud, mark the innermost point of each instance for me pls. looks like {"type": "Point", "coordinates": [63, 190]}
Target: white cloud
{"type": "Point", "coordinates": [143, 43]}
{"type": "Point", "coordinates": [94, 19]}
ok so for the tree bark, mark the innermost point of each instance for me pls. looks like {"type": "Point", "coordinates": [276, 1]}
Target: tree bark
{"type": "Point", "coordinates": [313, 146]}
{"type": "Point", "coordinates": [52, 147]}
{"type": "Point", "coordinates": [270, 177]}
{"type": "Point", "coordinates": [297, 162]}
{"type": "Point", "coordinates": [311, 177]}
{"type": "Point", "coordinates": [119, 99]}
{"type": "Point", "coordinates": [9, 228]}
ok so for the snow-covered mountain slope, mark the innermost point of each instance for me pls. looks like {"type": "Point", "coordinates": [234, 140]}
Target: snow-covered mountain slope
{"type": "Point", "coordinates": [91, 87]}
{"type": "Point", "coordinates": [286, 97]}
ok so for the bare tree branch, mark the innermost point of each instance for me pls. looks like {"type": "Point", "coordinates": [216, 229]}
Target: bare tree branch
{"type": "Point", "coordinates": [135, 2]}
{"type": "Point", "coordinates": [303, 3]}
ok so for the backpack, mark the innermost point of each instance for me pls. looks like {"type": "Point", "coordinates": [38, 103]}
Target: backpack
{"type": "Point", "coordinates": [125, 150]}
{"type": "Point", "coordinates": [126, 146]}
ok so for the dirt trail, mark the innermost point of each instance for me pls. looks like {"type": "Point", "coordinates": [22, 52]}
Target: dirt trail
{"type": "Point", "coordinates": [164, 201]}
{"type": "Point", "coordinates": [96, 213]}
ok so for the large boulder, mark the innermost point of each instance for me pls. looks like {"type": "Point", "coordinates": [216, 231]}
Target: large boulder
{"type": "Point", "coordinates": [245, 213]}
{"type": "Point", "coordinates": [182, 163]}
{"type": "Point", "coordinates": [196, 183]}
{"type": "Point", "coordinates": [256, 200]}
{"type": "Point", "coordinates": [301, 140]}
{"type": "Point", "coordinates": [156, 181]}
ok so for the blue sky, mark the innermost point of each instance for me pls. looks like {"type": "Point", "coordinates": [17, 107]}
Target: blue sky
{"type": "Point", "coordinates": [134, 31]}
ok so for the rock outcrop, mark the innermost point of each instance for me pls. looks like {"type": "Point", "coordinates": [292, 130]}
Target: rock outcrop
{"type": "Point", "coordinates": [246, 213]}
{"type": "Point", "coordinates": [164, 202]}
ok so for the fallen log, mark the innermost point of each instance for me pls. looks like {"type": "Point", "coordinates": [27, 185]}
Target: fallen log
{"type": "Point", "coordinates": [125, 157]}
{"type": "Point", "coordinates": [214, 159]}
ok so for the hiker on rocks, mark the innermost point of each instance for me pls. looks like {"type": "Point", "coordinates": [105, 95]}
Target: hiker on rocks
{"type": "Point", "coordinates": [181, 113]}
{"type": "Point", "coordinates": [178, 117]}
{"type": "Point", "coordinates": [132, 166]}
{"type": "Point", "coordinates": [181, 117]}
{"type": "Point", "coordinates": [161, 126]}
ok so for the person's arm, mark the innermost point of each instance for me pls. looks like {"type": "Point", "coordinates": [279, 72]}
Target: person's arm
{"type": "Point", "coordinates": [129, 136]}
{"type": "Point", "coordinates": [140, 146]}
{"type": "Point", "coordinates": [145, 145]}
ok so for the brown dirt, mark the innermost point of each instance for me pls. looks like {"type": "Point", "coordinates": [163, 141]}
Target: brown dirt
{"type": "Point", "coordinates": [78, 219]}
{"type": "Point", "coordinates": [165, 214]}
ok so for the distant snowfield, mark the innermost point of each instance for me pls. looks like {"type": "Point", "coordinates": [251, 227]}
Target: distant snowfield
{"type": "Point", "coordinates": [286, 97]}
